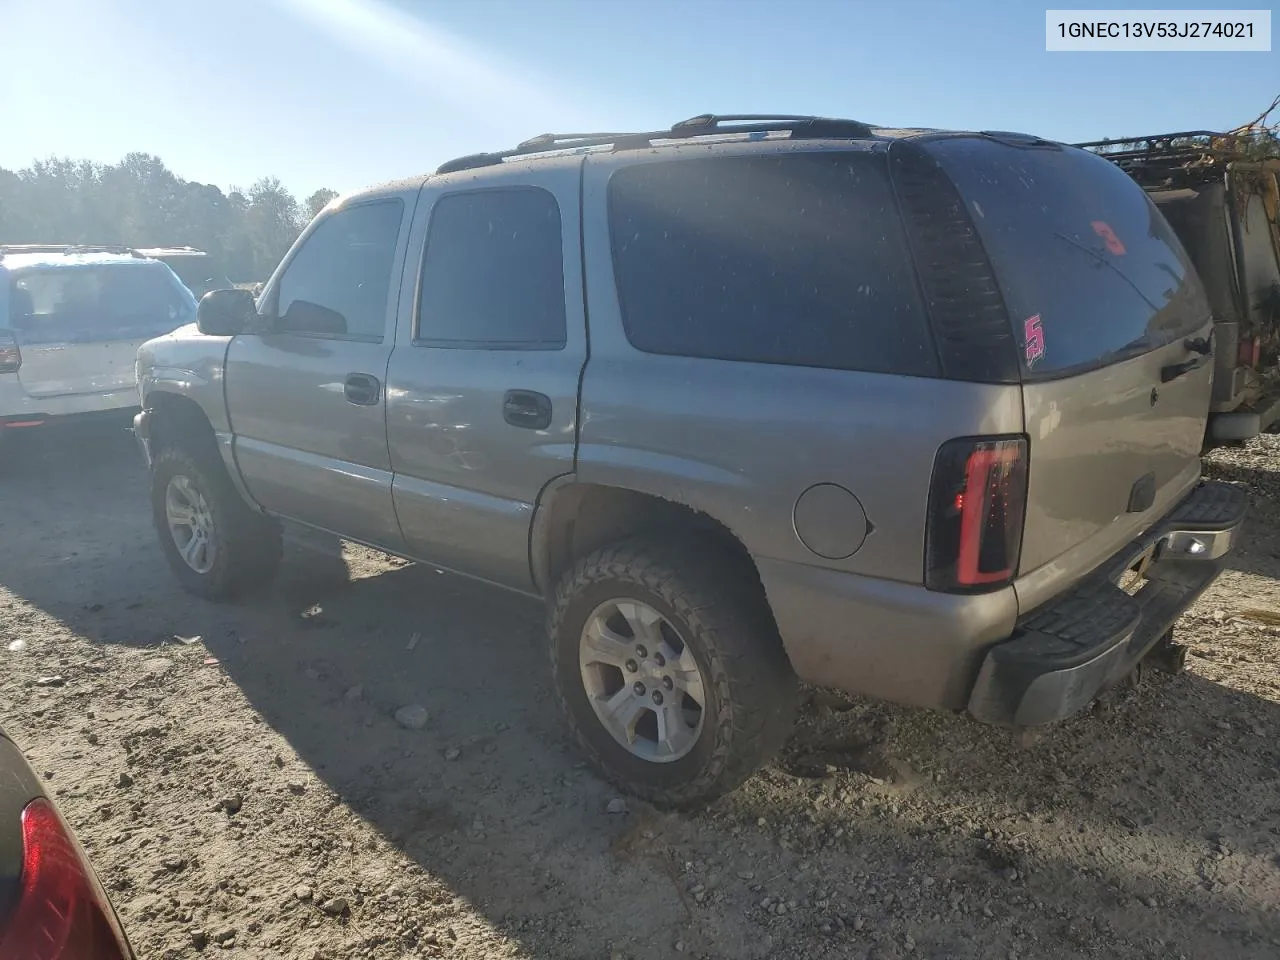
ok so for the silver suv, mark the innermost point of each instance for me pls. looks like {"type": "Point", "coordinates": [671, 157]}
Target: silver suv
{"type": "Point", "coordinates": [748, 401]}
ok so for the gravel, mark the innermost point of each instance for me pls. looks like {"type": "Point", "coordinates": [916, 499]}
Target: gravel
{"type": "Point", "coordinates": [1137, 829]}
{"type": "Point", "coordinates": [334, 907]}
{"type": "Point", "coordinates": [412, 717]}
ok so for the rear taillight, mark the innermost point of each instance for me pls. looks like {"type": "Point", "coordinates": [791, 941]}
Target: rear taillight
{"type": "Point", "coordinates": [1250, 352]}
{"type": "Point", "coordinates": [10, 355]}
{"type": "Point", "coordinates": [63, 913]}
{"type": "Point", "coordinates": [976, 508]}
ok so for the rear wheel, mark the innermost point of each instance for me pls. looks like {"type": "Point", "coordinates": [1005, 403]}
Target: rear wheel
{"type": "Point", "coordinates": [215, 543]}
{"type": "Point", "coordinates": [670, 670]}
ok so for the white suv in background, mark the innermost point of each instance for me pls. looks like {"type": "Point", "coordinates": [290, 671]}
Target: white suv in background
{"type": "Point", "coordinates": [71, 322]}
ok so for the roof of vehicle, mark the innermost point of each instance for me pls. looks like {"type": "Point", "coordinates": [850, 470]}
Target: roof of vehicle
{"type": "Point", "coordinates": [705, 130]}
{"type": "Point", "coordinates": [14, 258]}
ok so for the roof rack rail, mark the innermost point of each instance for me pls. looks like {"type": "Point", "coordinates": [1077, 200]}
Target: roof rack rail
{"type": "Point", "coordinates": [1170, 160]}
{"type": "Point", "coordinates": [705, 124]}
{"type": "Point", "coordinates": [1150, 142]}
{"type": "Point", "coordinates": [798, 125]}
{"type": "Point", "coordinates": [178, 248]}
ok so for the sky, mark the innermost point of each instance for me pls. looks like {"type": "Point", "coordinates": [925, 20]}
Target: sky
{"type": "Point", "coordinates": [343, 93]}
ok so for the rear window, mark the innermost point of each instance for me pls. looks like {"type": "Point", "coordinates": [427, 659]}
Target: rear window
{"type": "Point", "coordinates": [797, 259]}
{"type": "Point", "coordinates": [92, 303]}
{"type": "Point", "coordinates": [1090, 271]}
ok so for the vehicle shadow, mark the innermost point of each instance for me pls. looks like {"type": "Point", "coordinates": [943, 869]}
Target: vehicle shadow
{"type": "Point", "coordinates": [517, 826]}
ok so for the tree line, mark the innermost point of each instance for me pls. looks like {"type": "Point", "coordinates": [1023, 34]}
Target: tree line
{"type": "Point", "coordinates": [140, 202]}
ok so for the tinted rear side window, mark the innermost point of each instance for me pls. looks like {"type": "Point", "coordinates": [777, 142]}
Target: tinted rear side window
{"type": "Point", "coordinates": [797, 259]}
{"type": "Point", "coordinates": [1089, 269]}
{"type": "Point", "coordinates": [494, 273]}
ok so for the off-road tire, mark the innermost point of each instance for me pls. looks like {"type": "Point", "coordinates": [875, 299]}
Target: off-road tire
{"type": "Point", "coordinates": [248, 543]}
{"type": "Point", "coordinates": [715, 602]}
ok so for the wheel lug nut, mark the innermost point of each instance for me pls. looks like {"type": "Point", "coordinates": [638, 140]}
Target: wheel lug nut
{"type": "Point", "coordinates": [659, 659]}
{"type": "Point", "coordinates": [657, 697]}
{"type": "Point", "coordinates": [638, 687]}
{"type": "Point", "coordinates": [641, 652]}
{"type": "Point", "coordinates": [632, 666]}
{"type": "Point", "coordinates": [666, 682]}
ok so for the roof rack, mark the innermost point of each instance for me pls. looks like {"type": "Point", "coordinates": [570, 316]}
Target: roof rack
{"type": "Point", "coordinates": [1184, 141]}
{"type": "Point", "coordinates": [1166, 158]}
{"type": "Point", "coordinates": [706, 124]}
{"type": "Point", "coordinates": [170, 251]}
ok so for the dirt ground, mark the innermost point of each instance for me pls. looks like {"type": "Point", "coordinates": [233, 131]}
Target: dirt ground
{"type": "Point", "coordinates": [250, 794]}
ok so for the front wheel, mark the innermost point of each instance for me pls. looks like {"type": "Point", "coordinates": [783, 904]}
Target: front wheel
{"type": "Point", "coordinates": [670, 670]}
{"type": "Point", "coordinates": [214, 542]}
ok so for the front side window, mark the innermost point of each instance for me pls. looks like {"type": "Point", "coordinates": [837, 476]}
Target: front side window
{"type": "Point", "coordinates": [337, 284]}
{"type": "Point", "coordinates": [493, 277]}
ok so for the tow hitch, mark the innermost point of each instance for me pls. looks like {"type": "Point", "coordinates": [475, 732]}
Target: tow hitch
{"type": "Point", "coordinates": [1167, 656]}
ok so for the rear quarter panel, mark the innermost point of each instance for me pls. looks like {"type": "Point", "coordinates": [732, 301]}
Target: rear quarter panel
{"type": "Point", "coordinates": [742, 441]}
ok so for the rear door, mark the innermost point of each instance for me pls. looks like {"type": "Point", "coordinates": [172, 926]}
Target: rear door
{"type": "Point", "coordinates": [79, 326]}
{"type": "Point", "coordinates": [482, 389]}
{"type": "Point", "coordinates": [1110, 320]}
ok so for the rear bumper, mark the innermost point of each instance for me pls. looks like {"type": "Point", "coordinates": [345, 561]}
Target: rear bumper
{"type": "Point", "coordinates": [900, 642]}
{"type": "Point", "coordinates": [1245, 421]}
{"type": "Point", "coordinates": [16, 407]}
{"type": "Point", "coordinates": [25, 423]}
{"type": "Point", "coordinates": [1064, 653]}
{"type": "Point", "coordinates": [142, 432]}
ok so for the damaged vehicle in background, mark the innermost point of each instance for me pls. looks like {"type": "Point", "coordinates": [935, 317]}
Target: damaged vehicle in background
{"type": "Point", "coordinates": [1223, 202]}
{"type": "Point", "coordinates": [195, 268]}
{"type": "Point", "coordinates": [71, 322]}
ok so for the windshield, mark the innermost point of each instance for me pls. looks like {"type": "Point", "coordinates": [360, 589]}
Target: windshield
{"type": "Point", "coordinates": [98, 302]}
{"type": "Point", "coordinates": [1090, 271]}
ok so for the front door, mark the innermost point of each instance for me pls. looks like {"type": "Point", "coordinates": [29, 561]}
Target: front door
{"type": "Point", "coordinates": [307, 398]}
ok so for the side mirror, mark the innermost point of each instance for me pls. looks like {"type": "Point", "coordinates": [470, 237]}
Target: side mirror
{"type": "Point", "coordinates": [225, 313]}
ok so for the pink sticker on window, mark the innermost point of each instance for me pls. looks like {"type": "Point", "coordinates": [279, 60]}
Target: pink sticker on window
{"type": "Point", "coordinates": [1103, 229]}
{"type": "Point", "coordinates": [1033, 339]}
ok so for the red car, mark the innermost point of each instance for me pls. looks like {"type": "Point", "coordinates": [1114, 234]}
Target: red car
{"type": "Point", "coordinates": [52, 906]}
